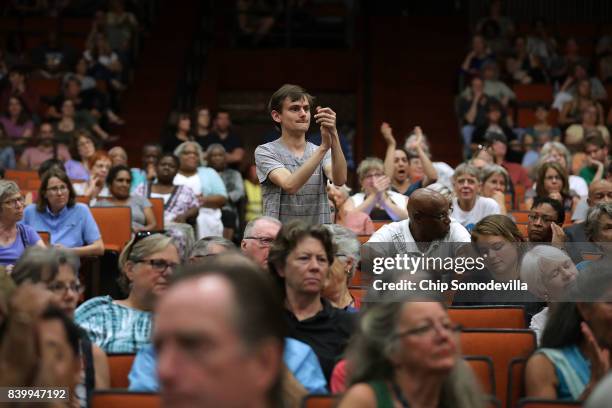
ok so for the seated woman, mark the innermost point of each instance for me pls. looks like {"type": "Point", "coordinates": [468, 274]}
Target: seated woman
{"type": "Point", "coordinates": [403, 348]}
{"type": "Point", "coordinates": [17, 122]}
{"type": "Point", "coordinates": [377, 200]}
{"type": "Point", "coordinates": [207, 186]}
{"type": "Point", "coordinates": [552, 182]}
{"type": "Point", "coordinates": [69, 224]}
{"type": "Point", "coordinates": [124, 326]}
{"type": "Point", "coordinates": [7, 153]}
{"type": "Point", "coordinates": [299, 259]}
{"type": "Point", "coordinates": [118, 181]}
{"type": "Point", "coordinates": [582, 99]}
{"type": "Point", "coordinates": [407, 171]}
{"type": "Point", "coordinates": [495, 181]}
{"type": "Point", "coordinates": [58, 271]}
{"type": "Point", "coordinates": [99, 166]}
{"type": "Point", "coordinates": [180, 203]}
{"type": "Point", "coordinates": [14, 237]}
{"type": "Point", "coordinates": [576, 340]}
{"type": "Point", "coordinates": [548, 272]}
{"type": "Point", "coordinates": [71, 120]}
{"type": "Point", "coordinates": [469, 207]}
{"type": "Point", "coordinates": [82, 148]}
{"type": "Point", "coordinates": [180, 134]}
{"type": "Point", "coordinates": [342, 269]}
{"type": "Point", "coordinates": [357, 221]}
{"type": "Point", "coordinates": [557, 152]}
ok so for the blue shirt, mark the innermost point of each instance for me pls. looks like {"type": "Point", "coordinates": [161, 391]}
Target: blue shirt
{"type": "Point", "coordinates": [72, 227]}
{"type": "Point", "coordinates": [299, 358]}
{"type": "Point", "coordinates": [25, 237]}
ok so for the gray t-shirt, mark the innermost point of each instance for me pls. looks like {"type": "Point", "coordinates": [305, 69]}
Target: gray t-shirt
{"type": "Point", "coordinates": [310, 203]}
{"type": "Point", "coordinates": [137, 205]}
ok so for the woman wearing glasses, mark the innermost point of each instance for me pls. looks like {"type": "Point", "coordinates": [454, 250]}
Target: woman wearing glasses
{"type": "Point", "coordinates": [69, 224]}
{"type": "Point", "coordinates": [552, 182]}
{"type": "Point", "coordinates": [407, 354]}
{"type": "Point", "coordinates": [58, 270]}
{"type": "Point", "coordinates": [14, 237]}
{"type": "Point", "coordinates": [124, 326]}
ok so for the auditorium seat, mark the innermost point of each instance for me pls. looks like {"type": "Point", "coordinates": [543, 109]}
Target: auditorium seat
{"type": "Point", "coordinates": [158, 211]}
{"type": "Point", "coordinates": [520, 216]}
{"type": "Point", "coordinates": [522, 227]}
{"type": "Point", "coordinates": [488, 317]}
{"type": "Point", "coordinates": [379, 224]}
{"type": "Point", "coordinates": [544, 403]}
{"type": "Point", "coordinates": [121, 399]}
{"type": "Point", "coordinates": [119, 366]}
{"type": "Point", "coordinates": [516, 381]}
{"type": "Point", "coordinates": [533, 93]}
{"type": "Point", "coordinates": [45, 236]}
{"type": "Point", "coordinates": [482, 366]}
{"type": "Point", "coordinates": [22, 177]}
{"type": "Point", "coordinates": [320, 401]}
{"type": "Point", "coordinates": [115, 224]}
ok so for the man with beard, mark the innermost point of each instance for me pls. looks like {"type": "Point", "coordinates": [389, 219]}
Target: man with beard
{"type": "Point", "coordinates": [545, 221]}
{"type": "Point", "coordinates": [46, 149]}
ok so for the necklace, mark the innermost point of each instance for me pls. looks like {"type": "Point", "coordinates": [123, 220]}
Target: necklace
{"type": "Point", "coordinates": [399, 395]}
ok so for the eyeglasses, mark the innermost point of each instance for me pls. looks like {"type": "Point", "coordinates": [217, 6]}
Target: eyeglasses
{"type": "Point", "coordinates": [545, 219]}
{"type": "Point", "coordinates": [553, 178]}
{"type": "Point", "coordinates": [58, 189]}
{"type": "Point", "coordinates": [15, 202]}
{"type": "Point", "coordinates": [375, 175]}
{"type": "Point", "coordinates": [61, 288]}
{"type": "Point", "coordinates": [263, 241]}
{"type": "Point", "coordinates": [431, 328]}
{"type": "Point", "coordinates": [159, 265]}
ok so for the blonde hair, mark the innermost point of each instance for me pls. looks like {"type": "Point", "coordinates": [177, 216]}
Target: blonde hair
{"type": "Point", "coordinates": [367, 164]}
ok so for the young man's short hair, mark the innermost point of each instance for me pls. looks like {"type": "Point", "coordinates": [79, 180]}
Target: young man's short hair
{"type": "Point", "coordinates": [293, 92]}
{"type": "Point", "coordinates": [595, 139]}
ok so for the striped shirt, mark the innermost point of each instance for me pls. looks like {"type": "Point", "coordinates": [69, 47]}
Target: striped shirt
{"type": "Point", "coordinates": [310, 202]}
{"type": "Point", "coordinates": [113, 327]}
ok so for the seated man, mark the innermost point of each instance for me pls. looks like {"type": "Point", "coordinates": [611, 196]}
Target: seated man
{"type": "Point", "coordinates": [545, 220]}
{"type": "Point", "coordinates": [468, 206]}
{"type": "Point", "coordinates": [259, 234]}
{"type": "Point", "coordinates": [45, 149]}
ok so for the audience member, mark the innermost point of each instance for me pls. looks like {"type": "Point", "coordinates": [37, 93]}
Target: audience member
{"type": "Point", "coordinates": [71, 121]}
{"type": "Point", "coordinates": [543, 130]}
{"type": "Point", "coordinates": [18, 87]}
{"type": "Point", "coordinates": [574, 356]}
{"type": "Point", "coordinates": [494, 126]}
{"type": "Point", "coordinates": [473, 111]}
{"type": "Point", "coordinates": [118, 182]}
{"type": "Point", "coordinates": [525, 67]}
{"type": "Point", "coordinates": [201, 120]}
{"type": "Point", "coordinates": [407, 172]}
{"type": "Point", "coordinates": [233, 184]}
{"type": "Point", "coordinates": [80, 73]}
{"type": "Point", "coordinates": [221, 134]}
{"type": "Point", "coordinates": [82, 148]}
{"type": "Point", "coordinates": [180, 202]}
{"type": "Point", "coordinates": [358, 222]}
{"type": "Point", "coordinates": [596, 149]}
{"type": "Point", "coordinates": [45, 149]}
{"type": "Point", "coordinates": [377, 199]}
{"type": "Point", "coordinates": [104, 64]}
{"type": "Point", "coordinates": [597, 228]}
{"type": "Point", "coordinates": [17, 121]}
{"type": "Point", "coordinates": [7, 153]}
{"type": "Point", "coordinates": [296, 188]}
{"type": "Point", "coordinates": [121, 27]}
{"type": "Point", "coordinates": [479, 54]}
{"type": "Point", "coordinates": [495, 182]}
{"type": "Point", "coordinates": [557, 152]}
{"type": "Point", "coordinates": [207, 186]}
{"type": "Point", "coordinates": [53, 57]}
{"type": "Point", "coordinates": [179, 135]}
{"type": "Point", "coordinates": [99, 165]}
{"type": "Point", "coordinates": [151, 152]}
{"type": "Point", "coordinates": [253, 195]}
{"type": "Point", "coordinates": [259, 234]}
{"type": "Point", "coordinates": [209, 246]}
{"type": "Point", "coordinates": [15, 237]}
{"type": "Point", "coordinates": [552, 182]}
{"type": "Point", "coordinates": [503, 157]}
{"type": "Point", "coordinates": [548, 272]}
{"type": "Point", "coordinates": [342, 270]}
{"type": "Point", "coordinates": [582, 100]}
{"type": "Point", "coordinates": [443, 170]}
{"type": "Point", "coordinates": [541, 43]}
{"type": "Point", "coordinates": [469, 206]}
{"type": "Point", "coordinates": [493, 87]}
{"type": "Point", "coordinates": [69, 224]}
{"type": "Point", "coordinates": [545, 220]}
{"type": "Point", "coordinates": [588, 125]}
{"type": "Point", "coordinates": [300, 258]}
{"type": "Point", "coordinates": [124, 326]}
{"type": "Point", "coordinates": [403, 347]}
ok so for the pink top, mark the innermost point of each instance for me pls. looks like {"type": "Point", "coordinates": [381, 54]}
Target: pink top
{"type": "Point", "coordinates": [33, 157]}
{"type": "Point", "coordinates": [358, 222]}
{"type": "Point", "coordinates": [14, 131]}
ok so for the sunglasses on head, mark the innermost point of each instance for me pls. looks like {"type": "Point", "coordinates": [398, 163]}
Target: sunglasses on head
{"type": "Point", "coordinates": [140, 235]}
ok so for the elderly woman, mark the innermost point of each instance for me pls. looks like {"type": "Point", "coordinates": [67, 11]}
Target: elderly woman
{"type": "Point", "coordinates": [557, 152]}
{"type": "Point", "coordinates": [377, 200]}
{"type": "Point", "coordinates": [99, 165]}
{"type": "Point", "coordinates": [469, 206]}
{"type": "Point", "coordinates": [69, 224]}
{"type": "Point", "coordinates": [209, 246]}
{"type": "Point", "coordinates": [358, 222]}
{"type": "Point", "coordinates": [14, 237]}
{"type": "Point", "coordinates": [495, 182]}
{"type": "Point", "coordinates": [207, 186]}
{"type": "Point", "coordinates": [180, 202]}
{"type": "Point", "coordinates": [574, 356]}
{"type": "Point", "coordinates": [119, 181]}
{"type": "Point", "coordinates": [548, 272]}
{"type": "Point", "coordinates": [234, 185]}
{"type": "Point", "coordinates": [300, 258]}
{"type": "Point", "coordinates": [124, 326]}
{"type": "Point", "coordinates": [552, 182]}
{"type": "Point", "coordinates": [58, 271]}
{"type": "Point", "coordinates": [408, 353]}
{"type": "Point", "coordinates": [342, 269]}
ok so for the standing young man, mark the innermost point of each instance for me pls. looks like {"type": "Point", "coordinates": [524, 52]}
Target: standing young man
{"type": "Point", "coordinates": [292, 171]}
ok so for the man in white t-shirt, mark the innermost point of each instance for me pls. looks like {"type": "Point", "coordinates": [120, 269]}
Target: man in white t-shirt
{"type": "Point", "coordinates": [428, 225]}
{"type": "Point", "coordinates": [468, 206]}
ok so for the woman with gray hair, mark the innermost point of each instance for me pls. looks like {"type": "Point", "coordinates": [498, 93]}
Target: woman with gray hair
{"type": "Point", "coordinates": [207, 186]}
{"type": "Point", "coordinates": [495, 182]}
{"type": "Point", "coordinates": [14, 237]}
{"type": "Point", "coordinates": [402, 348]}
{"type": "Point", "coordinates": [123, 326]}
{"type": "Point", "coordinates": [598, 225]}
{"type": "Point", "coordinates": [557, 152]}
{"type": "Point", "coordinates": [549, 273]}
{"type": "Point", "coordinates": [343, 268]}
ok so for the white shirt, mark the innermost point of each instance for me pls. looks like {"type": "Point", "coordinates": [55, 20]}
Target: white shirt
{"type": "Point", "coordinates": [445, 174]}
{"type": "Point", "coordinates": [193, 182]}
{"type": "Point", "coordinates": [538, 322]}
{"type": "Point", "coordinates": [484, 206]}
{"type": "Point", "coordinates": [579, 185]}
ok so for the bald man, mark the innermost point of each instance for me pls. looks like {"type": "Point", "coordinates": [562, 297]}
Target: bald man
{"type": "Point", "coordinates": [577, 241]}
{"type": "Point", "coordinates": [428, 221]}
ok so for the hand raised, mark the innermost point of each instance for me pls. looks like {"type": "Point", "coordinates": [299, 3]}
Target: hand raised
{"type": "Point", "coordinates": [382, 184]}
{"type": "Point", "coordinates": [558, 235]}
{"type": "Point", "coordinates": [387, 133]}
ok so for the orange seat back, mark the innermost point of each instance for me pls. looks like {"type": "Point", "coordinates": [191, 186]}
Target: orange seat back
{"type": "Point", "coordinates": [363, 238]}
{"type": "Point", "coordinates": [516, 381]}
{"type": "Point", "coordinates": [119, 399]}
{"type": "Point", "coordinates": [379, 224]}
{"type": "Point", "coordinates": [522, 227]}
{"type": "Point", "coordinates": [23, 178]}
{"type": "Point", "coordinates": [119, 366]}
{"type": "Point", "coordinates": [115, 224]}
{"type": "Point", "coordinates": [45, 236]}
{"type": "Point", "coordinates": [502, 346]}
{"type": "Point", "coordinates": [158, 211]}
{"type": "Point", "coordinates": [320, 401]}
{"type": "Point", "coordinates": [482, 367]}
{"type": "Point", "coordinates": [520, 216]}
{"type": "Point", "coordinates": [488, 317]}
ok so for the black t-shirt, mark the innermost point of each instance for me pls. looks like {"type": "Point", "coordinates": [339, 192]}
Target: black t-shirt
{"type": "Point", "coordinates": [231, 142]}
{"type": "Point", "coordinates": [327, 333]}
